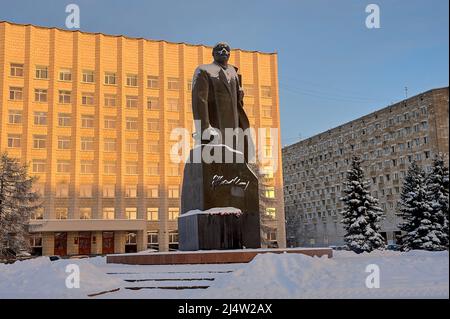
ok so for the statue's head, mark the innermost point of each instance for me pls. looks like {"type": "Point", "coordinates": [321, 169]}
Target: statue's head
{"type": "Point", "coordinates": [221, 52]}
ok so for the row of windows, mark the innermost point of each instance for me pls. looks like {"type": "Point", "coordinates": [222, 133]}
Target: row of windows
{"type": "Point", "coordinates": [386, 151]}
{"type": "Point", "coordinates": [370, 129]}
{"type": "Point", "coordinates": [109, 191]}
{"type": "Point", "coordinates": [109, 213]}
{"type": "Point", "coordinates": [152, 213]}
{"type": "Point", "coordinates": [131, 80]}
{"type": "Point", "coordinates": [88, 121]}
{"type": "Point", "coordinates": [88, 98]}
{"type": "Point", "coordinates": [88, 167]}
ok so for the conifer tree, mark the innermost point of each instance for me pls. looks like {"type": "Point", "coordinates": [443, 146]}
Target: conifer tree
{"type": "Point", "coordinates": [361, 215]}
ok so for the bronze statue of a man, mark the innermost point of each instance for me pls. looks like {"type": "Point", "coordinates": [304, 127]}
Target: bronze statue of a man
{"type": "Point", "coordinates": [217, 100]}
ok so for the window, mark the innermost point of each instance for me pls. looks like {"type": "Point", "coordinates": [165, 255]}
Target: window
{"type": "Point", "coordinates": [131, 168]}
{"type": "Point", "coordinates": [109, 167]}
{"type": "Point", "coordinates": [174, 212]}
{"type": "Point", "coordinates": [131, 213]}
{"type": "Point", "coordinates": [152, 214]}
{"type": "Point", "coordinates": [152, 191]}
{"type": "Point", "coordinates": [110, 100]}
{"type": "Point", "coordinates": [15, 93]}
{"type": "Point", "coordinates": [40, 95]}
{"type": "Point", "coordinates": [153, 146]}
{"type": "Point", "coordinates": [130, 238]}
{"type": "Point", "coordinates": [14, 140]}
{"type": "Point", "coordinates": [130, 191]}
{"type": "Point", "coordinates": [39, 166]}
{"type": "Point", "coordinates": [86, 190]}
{"type": "Point", "coordinates": [87, 98]}
{"type": "Point", "coordinates": [174, 170]}
{"type": "Point", "coordinates": [173, 84]}
{"type": "Point", "coordinates": [266, 111]}
{"type": "Point", "coordinates": [269, 192]}
{"type": "Point", "coordinates": [152, 103]}
{"type": "Point", "coordinates": [61, 212]}
{"type": "Point", "coordinates": [15, 116]}
{"type": "Point", "coordinates": [131, 145]}
{"type": "Point", "coordinates": [110, 78]}
{"type": "Point", "coordinates": [153, 125]}
{"type": "Point", "coordinates": [271, 212]}
{"type": "Point", "coordinates": [132, 80]}
{"type": "Point", "coordinates": [110, 144]}
{"type": "Point", "coordinates": [109, 190]}
{"type": "Point", "coordinates": [174, 192]}
{"type": "Point", "coordinates": [153, 169]}
{"type": "Point", "coordinates": [85, 213]}
{"type": "Point", "coordinates": [16, 69]}
{"type": "Point", "coordinates": [88, 76]}
{"type": "Point", "coordinates": [63, 166]}
{"type": "Point", "coordinates": [131, 123]}
{"type": "Point", "coordinates": [172, 124]}
{"type": "Point", "coordinates": [87, 143]}
{"type": "Point", "coordinates": [39, 141]}
{"type": "Point", "coordinates": [87, 167]}
{"type": "Point", "coordinates": [248, 90]}
{"type": "Point", "coordinates": [266, 91]}
{"type": "Point", "coordinates": [63, 142]}
{"type": "Point", "coordinates": [64, 96]}
{"type": "Point", "coordinates": [108, 212]}
{"type": "Point", "coordinates": [152, 82]}
{"type": "Point", "coordinates": [152, 238]}
{"type": "Point", "coordinates": [62, 190]}
{"type": "Point", "coordinates": [110, 122]}
{"type": "Point", "coordinates": [173, 237]}
{"type": "Point", "coordinates": [64, 119]}
{"type": "Point", "coordinates": [87, 121]}
{"type": "Point", "coordinates": [41, 72]}
{"type": "Point", "coordinates": [38, 214]}
{"type": "Point", "coordinates": [40, 118]}
{"type": "Point", "coordinates": [172, 105]}
{"type": "Point", "coordinates": [132, 101]}
{"type": "Point", "coordinates": [65, 75]}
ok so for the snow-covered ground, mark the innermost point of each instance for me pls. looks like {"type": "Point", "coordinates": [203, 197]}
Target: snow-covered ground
{"type": "Point", "coordinates": [416, 274]}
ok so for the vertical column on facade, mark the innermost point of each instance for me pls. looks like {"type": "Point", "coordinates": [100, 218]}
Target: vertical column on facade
{"type": "Point", "coordinates": [3, 88]}
{"type": "Point", "coordinates": [99, 71]}
{"type": "Point", "coordinates": [27, 134]}
{"type": "Point", "coordinates": [76, 123]}
{"type": "Point", "coordinates": [257, 99]}
{"type": "Point", "coordinates": [121, 120]}
{"type": "Point", "coordinates": [49, 205]}
{"type": "Point", "coordinates": [163, 216]}
{"type": "Point", "coordinates": [182, 99]}
{"type": "Point", "coordinates": [278, 174]}
{"type": "Point", "coordinates": [142, 211]}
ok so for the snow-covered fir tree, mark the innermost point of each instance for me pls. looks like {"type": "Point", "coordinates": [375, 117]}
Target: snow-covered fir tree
{"type": "Point", "coordinates": [437, 185]}
{"type": "Point", "coordinates": [17, 203]}
{"type": "Point", "coordinates": [361, 215]}
{"type": "Point", "coordinates": [416, 212]}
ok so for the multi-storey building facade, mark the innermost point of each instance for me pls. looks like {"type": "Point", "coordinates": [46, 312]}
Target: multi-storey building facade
{"type": "Point", "coordinates": [91, 114]}
{"type": "Point", "coordinates": [387, 140]}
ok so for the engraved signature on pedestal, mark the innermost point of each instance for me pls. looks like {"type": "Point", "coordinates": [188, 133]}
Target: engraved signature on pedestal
{"type": "Point", "coordinates": [219, 180]}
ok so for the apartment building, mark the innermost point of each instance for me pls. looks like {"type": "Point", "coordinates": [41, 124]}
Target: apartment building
{"type": "Point", "coordinates": [91, 114]}
{"type": "Point", "coordinates": [387, 140]}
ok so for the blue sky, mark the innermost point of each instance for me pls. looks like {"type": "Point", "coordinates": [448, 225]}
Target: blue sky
{"type": "Point", "coordinates": [332, 69]}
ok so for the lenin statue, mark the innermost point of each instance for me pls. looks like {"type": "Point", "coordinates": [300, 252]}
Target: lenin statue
{"type": "Point", "coordinates": [219, 199]}
{"type": "Point", "coordinates": [218, 101]}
